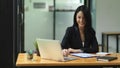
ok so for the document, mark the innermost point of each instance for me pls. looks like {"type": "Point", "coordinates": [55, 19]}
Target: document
{"type": "Point", "coordinates": [102, 53]}
{"type": "Point", "coordinates": [83, 55]}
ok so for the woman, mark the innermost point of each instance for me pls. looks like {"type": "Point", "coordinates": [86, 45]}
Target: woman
{"type": "Point", "coordinates": [80, 37]}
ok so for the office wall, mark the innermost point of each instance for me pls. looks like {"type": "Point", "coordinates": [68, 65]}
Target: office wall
{"type": "Point", "coordinates": [38, 22]}
{"type": "Point", "coordinates": [107, 19]}
{"type": "Point", "coordinates": [63, 20]}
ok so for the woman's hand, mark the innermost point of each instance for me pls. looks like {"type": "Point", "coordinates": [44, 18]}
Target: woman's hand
{"type": "Point", "coordinates": [65, 52]}
{"type": "Point", "coordinates": [74, 50]}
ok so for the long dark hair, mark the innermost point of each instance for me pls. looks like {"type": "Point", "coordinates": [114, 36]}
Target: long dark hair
{"type": "Point", "coordinates": [87, 15]}
{"type": "Point", "coordinates": [88, 26]}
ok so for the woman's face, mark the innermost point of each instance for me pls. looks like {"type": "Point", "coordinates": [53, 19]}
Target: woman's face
{"type": "Point", "coordinates": [80, 19]}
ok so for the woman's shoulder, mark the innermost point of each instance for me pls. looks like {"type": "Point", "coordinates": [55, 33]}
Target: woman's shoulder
{"type": "Point", "coordinates": [71, 29]}
{"type": "Point", "coordinates": [92, 31]}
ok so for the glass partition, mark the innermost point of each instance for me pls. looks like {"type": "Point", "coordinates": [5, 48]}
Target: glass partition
{"type": "Point", "coordinates": [47, 19]}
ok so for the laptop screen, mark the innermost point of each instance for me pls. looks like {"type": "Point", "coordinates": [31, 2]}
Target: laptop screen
{"type": "Point", "coordinates": [50, 49]}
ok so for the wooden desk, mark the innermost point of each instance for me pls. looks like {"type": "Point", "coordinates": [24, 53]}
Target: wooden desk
{"type": "Point", "coordinates": [107, 34]}
{"type": "Point", "coordinates": [22, 61]}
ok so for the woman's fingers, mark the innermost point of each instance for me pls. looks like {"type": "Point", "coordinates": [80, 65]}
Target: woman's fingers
{"type": "Point", "coordinates": [65, 52]}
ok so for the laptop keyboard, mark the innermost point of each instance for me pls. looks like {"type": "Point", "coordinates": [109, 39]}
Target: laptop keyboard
{"type": "Point", "coordinates": [69, 58]}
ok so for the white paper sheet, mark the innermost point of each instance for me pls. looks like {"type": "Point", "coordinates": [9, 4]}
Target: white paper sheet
{"type": "Point", "coordinates": [102, 53]}
{"type": "Point", "coordinates": [83, 55]}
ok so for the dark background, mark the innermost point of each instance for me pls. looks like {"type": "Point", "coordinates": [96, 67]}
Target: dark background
{"type": "Point", "coordinates": [6, 34]}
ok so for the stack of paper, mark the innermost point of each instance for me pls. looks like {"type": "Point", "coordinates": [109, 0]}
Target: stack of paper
{"type": "Point", "coordinates": [102, 53]}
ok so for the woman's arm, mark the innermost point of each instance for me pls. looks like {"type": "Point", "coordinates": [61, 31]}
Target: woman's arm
{"type": "Point", "coordinates": [66, 52]}
{"type": "Point", "coordinates": [93, 43]}
{"type": "Point", "coordinates": [74, 50]}
{"type": "Point", "coordinates": [93, 47]}
{"type": "Point", "coordinates": [66, 39]}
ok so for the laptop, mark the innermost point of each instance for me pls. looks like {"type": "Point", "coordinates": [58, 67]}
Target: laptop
{"type": "Point", "coordinates": [51, 49]}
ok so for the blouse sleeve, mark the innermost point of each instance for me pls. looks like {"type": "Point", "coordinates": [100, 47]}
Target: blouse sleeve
{"type": "Point", "coordinates": [94, 44]}
{"type": "Point", "coordinates": [66, 39]}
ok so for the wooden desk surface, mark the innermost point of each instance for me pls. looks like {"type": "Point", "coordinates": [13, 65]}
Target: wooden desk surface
{"type": "Point", "coordinates": [22, 61]}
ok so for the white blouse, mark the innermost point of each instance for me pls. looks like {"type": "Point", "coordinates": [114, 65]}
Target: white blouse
{"type": "Point", "coordinates": [83, 44]}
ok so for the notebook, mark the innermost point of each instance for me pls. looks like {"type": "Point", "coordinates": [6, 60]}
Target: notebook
{"type": "Point", "coordinates": [106, 58]}
{"type": "Point", "coordinates": [51, 49]}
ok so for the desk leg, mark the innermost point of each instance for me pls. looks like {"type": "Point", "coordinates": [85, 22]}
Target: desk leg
{"type": "Point", "coordinates": [117, 44]}
{"type": "Point", "coordinates": [107, 43]}
{"type": "Point", "coordinates": [102, 42]}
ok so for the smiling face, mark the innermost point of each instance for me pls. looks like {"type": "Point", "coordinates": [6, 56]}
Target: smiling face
{"type": "Point", "coordinates": [80, 19]}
